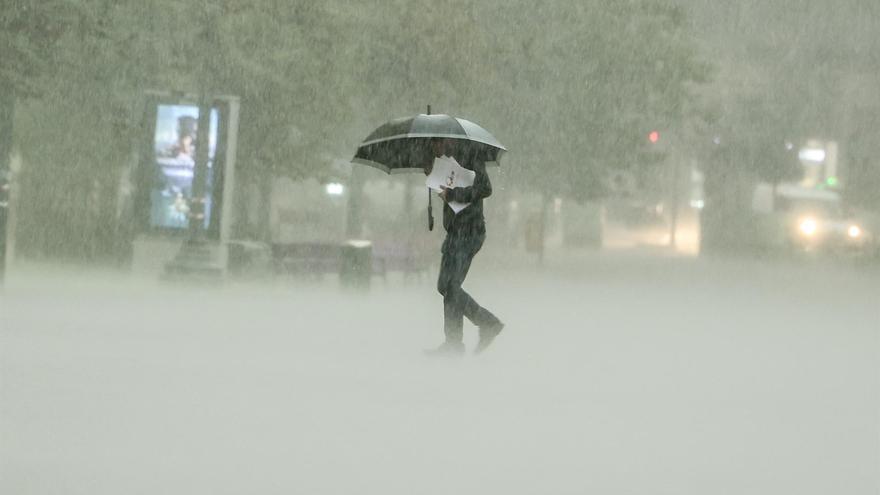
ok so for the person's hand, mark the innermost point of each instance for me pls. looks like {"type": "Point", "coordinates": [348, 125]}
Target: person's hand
{"type": "Point", "coordinates": [443, 194]}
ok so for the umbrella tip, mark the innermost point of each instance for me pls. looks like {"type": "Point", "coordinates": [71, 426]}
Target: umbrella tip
{"type": "Point", "coordinates": [429, 109]}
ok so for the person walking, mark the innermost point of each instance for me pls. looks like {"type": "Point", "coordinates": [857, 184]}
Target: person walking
{"type": "Point", "coordinates": [465, 234]}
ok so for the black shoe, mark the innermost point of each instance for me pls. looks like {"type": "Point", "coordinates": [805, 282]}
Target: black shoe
{"type": "Point", "coordinates": [447, 349]}
{"type": "Point", "coordinates": [487, 335]}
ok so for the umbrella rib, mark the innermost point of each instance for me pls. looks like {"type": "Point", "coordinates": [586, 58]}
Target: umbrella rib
{"type": "Point", "coordinates": [395, 153]}
{"type": "Point", "coordinates": [371, 163]}
{"type": "Point", "coordinates": [385, 168]}
{"type": "Point", "coordinates": [431, 135]}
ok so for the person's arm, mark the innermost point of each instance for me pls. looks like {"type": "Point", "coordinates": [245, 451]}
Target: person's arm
{"type": "Point", "coordinates": [481, 188]}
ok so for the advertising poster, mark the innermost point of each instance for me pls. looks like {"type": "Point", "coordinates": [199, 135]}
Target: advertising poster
{"type": "Point", "coordinates": [175, 143]}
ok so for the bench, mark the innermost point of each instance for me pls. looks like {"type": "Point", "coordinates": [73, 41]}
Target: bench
{"type": "Point", "coordinates": [398, 257]}
{"type": "Point", "coordinates": [313, 259]}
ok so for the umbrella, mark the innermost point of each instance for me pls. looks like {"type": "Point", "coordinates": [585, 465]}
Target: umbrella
{"type": "Point", "coordinates": [403, 145]}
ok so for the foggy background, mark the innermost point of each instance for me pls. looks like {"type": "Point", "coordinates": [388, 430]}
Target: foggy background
{"type": "Point", "coordinates": [671, 326]}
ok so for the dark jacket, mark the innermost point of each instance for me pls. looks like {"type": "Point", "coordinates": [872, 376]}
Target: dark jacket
{"type": "Point", "coordinates": [469, 223]}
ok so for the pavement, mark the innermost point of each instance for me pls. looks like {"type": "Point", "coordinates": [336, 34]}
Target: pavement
{"type": "Point", "coordinates": [623, 372]}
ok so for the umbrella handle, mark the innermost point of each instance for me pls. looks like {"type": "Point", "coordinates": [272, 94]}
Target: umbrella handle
{"type": "Point", "coordinates": [430, 212]}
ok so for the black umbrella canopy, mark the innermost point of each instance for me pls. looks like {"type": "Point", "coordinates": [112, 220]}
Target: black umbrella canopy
{"type": "Point", "coordinates": [403, 145]}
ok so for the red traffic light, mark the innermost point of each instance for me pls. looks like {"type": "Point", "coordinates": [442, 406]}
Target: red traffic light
{"type": "Point", "coordinates": [654, 136]}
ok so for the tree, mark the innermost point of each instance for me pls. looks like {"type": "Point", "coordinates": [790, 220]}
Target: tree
{"type": "Point", "coordinates": [572, 96]}
{"type": "Point", "coordinates": [800, 73]}
{"type": "Point", "coordinates": [31, 34]}
{"type": "Point", "coordinates": [78, 129]}
{"type": "Point", "coordinates": [588, 83]}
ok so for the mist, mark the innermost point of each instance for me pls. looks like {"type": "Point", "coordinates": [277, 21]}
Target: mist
{"type": "Point", "coordinates": [203, 289]}
{"type": "Point", "coordinates": [622, 375]}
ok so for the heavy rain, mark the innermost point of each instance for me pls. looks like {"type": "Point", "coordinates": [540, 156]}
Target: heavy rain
{"type": "Point", "coordinates": [433, 247]}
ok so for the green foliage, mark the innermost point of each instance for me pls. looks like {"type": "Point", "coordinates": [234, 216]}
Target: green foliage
{"type": "Point", "coordinates": [583, 80]}
{"type": "Point", "coordinates": [589, 81]}
{"type": "Point", "coordinates": [29, 29]}
{"type": "Point", "coordinates": [789, 74]}
{"type": "Point", "coordinates": [571, 88]}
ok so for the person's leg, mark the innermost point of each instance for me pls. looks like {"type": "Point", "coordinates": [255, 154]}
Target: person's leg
{"type": "Point", "coordinates": [469, 307]}
{"type": "Point", "coordinates": [489, 324]}
{"type": "Point", "coordinates": [477, 314]}
{"type": "Point", "coordinates": [457, 299]}
{"type": "Point", "coordinates": [453, 269]}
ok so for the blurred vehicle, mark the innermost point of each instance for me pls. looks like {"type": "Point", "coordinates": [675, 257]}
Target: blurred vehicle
{"type": "Point", "coordinates": [797, 219]}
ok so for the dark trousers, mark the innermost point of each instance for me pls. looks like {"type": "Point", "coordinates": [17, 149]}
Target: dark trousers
{"type": "Point", "coordinates": [457, 256]}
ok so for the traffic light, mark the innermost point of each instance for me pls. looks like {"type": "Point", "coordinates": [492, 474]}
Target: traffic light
{"type": "Point", "coordinates": [653, 137]}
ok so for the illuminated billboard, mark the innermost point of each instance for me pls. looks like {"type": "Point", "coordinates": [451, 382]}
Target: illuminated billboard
{"type": "Point", "coordinates": [175, 140]}
{"type": "Point", "coordinates": [169, 173]}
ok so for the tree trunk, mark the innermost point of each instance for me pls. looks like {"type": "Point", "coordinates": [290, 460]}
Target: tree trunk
{"type": "Point", "coordinates": [7, 114]}
{"type": "Point", "coordinates": [674, 203]}
{"type": "Point", "coordinates": [725, 222]}
{"type": "Point", "coordinates": [263, 230]}
{"type": "Point", "coordinates": [542, 227]}
{"type": "Point", "coordinates": [354, 207]}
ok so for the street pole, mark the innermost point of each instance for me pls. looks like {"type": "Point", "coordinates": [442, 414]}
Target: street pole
{"type": "Point", "coordinates": [673, 207]}
{"type": "Point", "coordinates": [197, 257]}
{"type": "Point", "coordinates": [200, 171]}
{"type": "Point", "coordinates": [354, 213]}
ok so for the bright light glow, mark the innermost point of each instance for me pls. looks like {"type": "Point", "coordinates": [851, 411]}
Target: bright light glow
{"type": "Point", "coordinates": [831, 181]}
{"type": "Point", "coordinates": [812, 155]}
{"type": "Point", "coordinates": [698, 204]}
{"type": "Point", "coordinates": [808, 226]}
{"type": "Point", "coordinates": [335, 189]}
{"type": "Point", "coordinates": [654, 136]}
{"type": "Point", "coordinates": [854, 231]}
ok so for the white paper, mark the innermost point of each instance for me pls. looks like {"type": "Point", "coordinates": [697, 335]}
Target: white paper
{"type": "Point", "coordinates": [449, 174]}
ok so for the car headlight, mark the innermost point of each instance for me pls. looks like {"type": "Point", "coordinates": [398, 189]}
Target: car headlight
{"type": "Point", "coordinates": [808, 226]}
{"type": "Point", "coordinates": [854, 231]}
